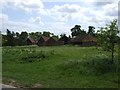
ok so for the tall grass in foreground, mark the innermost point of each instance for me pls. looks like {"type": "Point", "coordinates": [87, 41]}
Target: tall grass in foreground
{"type": "Point", "coordinates": [59, 66]}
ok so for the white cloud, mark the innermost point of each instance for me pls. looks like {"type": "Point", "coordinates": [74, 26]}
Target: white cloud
{"type": "Point", "coordinates": [5, 24]}
{"type": "Point", "coordinates": [36, 20]}
{"type": "Point", "coordinates": [58, 28]}
{"type": "Point", "coordinates": [85, 16]}
{"type": "Point", "coordinates": [3, 17]}
{"type": "Point", "coordinates": [111, 9]}
{"type": "Point", "coordinates": [25, 5]}
{"type": "Point", "coordinates": [65, 12]}
{"type": "Point", "coordinates": [66, 8]}
{"type": "Point", "coordinates": [55, 27]}
{"type": "Point", "coordinates": [19, 27]}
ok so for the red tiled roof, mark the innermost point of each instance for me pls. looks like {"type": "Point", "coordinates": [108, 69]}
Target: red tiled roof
{"type": "Point", "coordinates": [45, 38]}
{"type": "Point", "coordinates": [32, 41]}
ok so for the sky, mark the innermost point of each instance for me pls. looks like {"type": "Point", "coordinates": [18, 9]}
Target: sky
{"type": "Point", "coordinates": [55, 16]}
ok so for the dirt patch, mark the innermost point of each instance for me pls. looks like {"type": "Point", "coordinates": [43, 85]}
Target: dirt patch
{"type": "Point", "coordinates": [12, 82]}
{"type": "Point", "coordinates": [37, 85]}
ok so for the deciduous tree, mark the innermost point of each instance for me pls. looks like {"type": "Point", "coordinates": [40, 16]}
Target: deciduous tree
{"type": "Point", "coordinates": [107, 37]}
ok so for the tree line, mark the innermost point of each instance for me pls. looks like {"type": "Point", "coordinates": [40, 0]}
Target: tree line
{"type": "Point", "coordinates": [18, 39]}
{"type": "Point", "coordinates": [104, 35]}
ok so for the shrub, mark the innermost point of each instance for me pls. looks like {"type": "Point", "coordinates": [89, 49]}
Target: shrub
{"type": "Point", "coordinates": [99, 64]}
{"type": "Point", "coordinates": [102, 64]}
{"type": "Point", "coordinates": [32, 56]}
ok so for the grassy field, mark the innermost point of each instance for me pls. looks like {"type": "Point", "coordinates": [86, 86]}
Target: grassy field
{"type": "Point", "coordinates": [59, 67]}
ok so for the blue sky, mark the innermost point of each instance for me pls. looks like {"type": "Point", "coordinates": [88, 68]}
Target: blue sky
{"type": "Point", "coordinates": [56, 16]}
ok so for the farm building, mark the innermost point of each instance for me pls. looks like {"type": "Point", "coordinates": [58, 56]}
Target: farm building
{"type": "Point", "coordinates": [46, 41]}
{"type": "Point", "coordinates": [30, 41]}
{"type": "Point", "coordinates": [42, 40]}
{"type": "Point", "coordinates": [64, 40]}
{"type": "Point", "coordinates": [84, 40]}
{"type": "Point", "coordinates": [60, 42]}
{"type": "Point", "coordinates": [50, 42]}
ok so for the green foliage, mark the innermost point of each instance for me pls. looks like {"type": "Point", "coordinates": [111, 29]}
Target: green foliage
{"type": "Point", "coordinates": [47, 34]}
{"type": "Point", "coordinates": [35, 35]}
{"type": "Point", "coordinates": [99, 64]}
{"type": "Point", "coordinates": [0, 39]}
{"type": "Point", "coordinates": [55, 37]}
{"type": "Point", "coordinates": [102, 64]}
{"type": "Point", "coordinates": [64, 38]}
{"type": "Point", "coordinates": [91, 30]}
{"type": "Point", "coordinates": [19, 39]}
{"type": "Point", "coordinates": [14, 39]}
{"type": "Point", "coordinates": [27, 56]}
{"type": "Point", "coordinates": [107, 37]}
{"type": "Point", "coordinates": [76, 31]}
{"type": "Point", "coordinates": [22, 38]}
{"type": "Point", "coordinates": [10, 38]}
{"type": "Point", "coordinates": [33, 56]}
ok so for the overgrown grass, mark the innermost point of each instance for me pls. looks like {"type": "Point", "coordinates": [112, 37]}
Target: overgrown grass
{"type": "Point", "coordinates": [59, 66]}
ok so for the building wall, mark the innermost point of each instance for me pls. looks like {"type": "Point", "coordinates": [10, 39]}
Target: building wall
{"type": "Point", "coordinates": [85, 44]}
{"type": "Point", "coordinates": [50, 42]}
{"type": "Point", "coordinates": [40, 42]}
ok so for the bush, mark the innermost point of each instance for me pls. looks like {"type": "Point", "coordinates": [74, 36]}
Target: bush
{"type": "Point", "coordinates": [99, 64]}
{"type": "Point", "coordinates": [103, 64]}
{"type": "Point", "coordinates": [33, 56]}
{"type": "Point", "coordinates": [77, 66]}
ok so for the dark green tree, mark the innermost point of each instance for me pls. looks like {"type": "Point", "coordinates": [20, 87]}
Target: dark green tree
{"type": "Point", "coordinates": [35, 35]}
{"type": "Point", "coordinates": [77, 31]}
{"type": "Point", "coordinates": [0, 39]}
{"type": "Point", "coordinates": [64, 38]}
{"type": "Point", "coordinates": [23, 37]}
{"type": "Point", "coordinates": [55, 37]}
{"type": "Point", "coordinates": [47, 34]}
{"type": "Point", "coordinates": [10, 38]}
{"type": "Point", "coordinates": [91, 30]}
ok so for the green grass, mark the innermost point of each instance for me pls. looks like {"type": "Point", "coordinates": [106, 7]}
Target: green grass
{"type": "Point", "coordinates": [59, 67]}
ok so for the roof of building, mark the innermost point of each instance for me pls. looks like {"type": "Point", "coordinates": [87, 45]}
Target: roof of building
{"type": "Point", "coordinates": [84, 38]}
{"type": "Point", "coordinates": [45, 38]}
{"type": "Point", "coordinates": [31, 40]}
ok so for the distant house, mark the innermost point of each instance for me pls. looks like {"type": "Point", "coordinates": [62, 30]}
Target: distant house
{"type": "Point", "coordinates": [30, 41]}
{"type": "Point", "coordinates": [64, 40]}
{"type": "Point", "coordinates": [46, 41]}
{"type": "Point", "coordinates": [42, 40]}
{"type": "Point", "coordinates": [50, 42]}
{"type": "Point", "coordinates": [60, 42]}
{"type": "Point", "coordinates": [84, 40]}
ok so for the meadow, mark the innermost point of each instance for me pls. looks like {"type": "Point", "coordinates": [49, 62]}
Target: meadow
{"type": "Point", "coordinates": [59, 67]}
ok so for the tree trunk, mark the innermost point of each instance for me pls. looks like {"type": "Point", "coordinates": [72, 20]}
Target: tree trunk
{"type": "Point", "coordinates": [112, 52]}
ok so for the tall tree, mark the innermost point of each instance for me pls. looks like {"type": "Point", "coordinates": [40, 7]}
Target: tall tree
{"type": "Point", "coordinates": [91, 30]}
{"type": "Point", "coordinates": [35, 35]}
{"type": "Point", "coordinates": [55, 37]}
{"type": "Point", "coordinates": [47, 34]}
{"type": "Point", "coordinates": [0, 39]}
{"type": "Point", "coordinates": [23, 37]}
{"type": "Point", "coordinates": [10, 38]}
{"type": "Point", "coordinates": [76, 31]}
{"type": "Point", "coordinates": [107, 36]}
{"type": "Point", "coordinates": [64, 38]}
